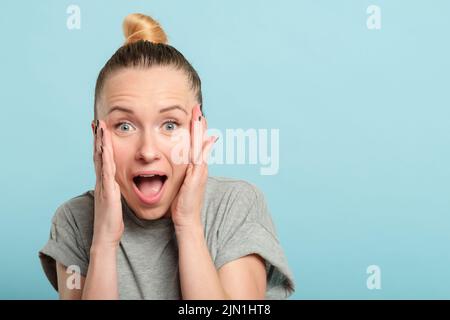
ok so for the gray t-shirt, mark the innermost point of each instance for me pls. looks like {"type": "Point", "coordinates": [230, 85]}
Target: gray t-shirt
{"type": "Point", "coordinates": [236, 223]}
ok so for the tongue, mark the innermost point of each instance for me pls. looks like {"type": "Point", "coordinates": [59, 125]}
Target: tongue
{"type": "Point", "coordinates": [150, 186]}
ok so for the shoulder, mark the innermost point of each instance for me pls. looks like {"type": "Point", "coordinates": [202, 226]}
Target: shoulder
{"type": "Point", "coordinates": [76, 215]}
{"type": "Point", "coordinates": [70, 236]}
{"type": "Point", "coordinates": [222, 188]}
{"type": "Point", "coordinates": [232, 201]}
{"type": "Point", "coordinates": [238, 223]}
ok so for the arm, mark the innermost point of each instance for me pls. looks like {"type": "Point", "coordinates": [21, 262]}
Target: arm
{"type": "Point", "coordinates": [101, 278]}
{"type": "Point", "coordinates": [65, 293]}
{"type": "Point", "coordinates": [244, 278]}
{"type": "Point", "coordinates": [100, 281]}
{"type": "Point", "coordinates": [198, 276]}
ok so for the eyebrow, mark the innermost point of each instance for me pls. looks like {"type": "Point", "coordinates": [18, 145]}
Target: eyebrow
{"type": "Point", "coordinates": [118, 108]}
{"type": "Point", "coordinates": [172, 108]}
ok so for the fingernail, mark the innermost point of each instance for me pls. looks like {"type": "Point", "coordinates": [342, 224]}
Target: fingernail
{"type": "Point", "coordinates": [200, 113]}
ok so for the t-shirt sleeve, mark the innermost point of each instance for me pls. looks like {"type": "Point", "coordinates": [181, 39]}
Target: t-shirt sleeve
{"type": "Point", "coordinates": [64, 245]}
{"type": "Point", "coordinates": [247, 228]}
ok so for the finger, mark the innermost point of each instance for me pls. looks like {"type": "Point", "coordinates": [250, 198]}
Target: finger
{"type": "Point", "coordinates": [97, 157]}
{"type": "Point", "coordinates": [204, 124]}
{"type": "Point", "coordinates": [196, 135]}
{"type": "Point", "coordinates": [205, 140]}
{"type": "Point", "coordinates": [200, 172]}
{"type": "Point", "coordinates": [108, 168]}
{"type": "Point", "coordinates": [207, 147]}
{"type": "Point", "coordinates": [101, 153]}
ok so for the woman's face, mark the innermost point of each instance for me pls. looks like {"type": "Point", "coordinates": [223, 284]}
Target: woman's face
{"type": "Point", "coordinates": [160, 104]}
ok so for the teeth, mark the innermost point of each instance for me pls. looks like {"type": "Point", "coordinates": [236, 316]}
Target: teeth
{"type": "Point", "coordinates": [147, 175]}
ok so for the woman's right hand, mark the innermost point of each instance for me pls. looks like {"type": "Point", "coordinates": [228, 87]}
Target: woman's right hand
{"type": "Point", "coordinates": [108, 220]}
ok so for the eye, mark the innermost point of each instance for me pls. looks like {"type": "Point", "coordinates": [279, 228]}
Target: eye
{"type": "Point", "coordinates": [170, 125]}
{"type": "Point", "coordinates": [125, 125]}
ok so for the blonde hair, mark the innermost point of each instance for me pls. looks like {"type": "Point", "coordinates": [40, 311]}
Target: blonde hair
{"type": "Point", "coordinates": [146, 46]}
{"type": "Point", "coordinates": [137, 26]}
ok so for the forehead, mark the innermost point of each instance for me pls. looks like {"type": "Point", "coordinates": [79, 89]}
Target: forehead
{"type": "Point", "coordinates": [150, 87]}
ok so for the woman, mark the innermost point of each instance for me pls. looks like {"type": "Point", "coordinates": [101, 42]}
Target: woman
{"type": "Point", "coordinates": [157, 227]}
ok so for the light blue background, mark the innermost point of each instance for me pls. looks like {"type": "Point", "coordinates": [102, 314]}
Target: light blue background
{"type": "Point", "coordinates": [363, 116]}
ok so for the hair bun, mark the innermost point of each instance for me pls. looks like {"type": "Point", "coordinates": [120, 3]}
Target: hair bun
{"type": "Point", "coordinates": [137, 26]}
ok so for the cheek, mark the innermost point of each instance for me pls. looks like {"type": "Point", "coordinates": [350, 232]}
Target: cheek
{"type": "Point", "coordinates": [178, 174]}
{"type": "Point", "coordinates": [180, 169]}
{"type": "Point", "coordinates": [121, 152]}
{"type": "Point", "coordinates": [165, 146]}
{"type": "Point", "coordinates": [174, 150]}
{"type": "Point", "coordinates": [178, 143]}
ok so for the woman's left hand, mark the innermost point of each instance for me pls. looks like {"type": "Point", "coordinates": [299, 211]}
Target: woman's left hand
{"type": "Point", "coordinates": [187, 205]}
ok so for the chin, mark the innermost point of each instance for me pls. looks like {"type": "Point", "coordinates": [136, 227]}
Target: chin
{"type": "Point", "coordinates": [151, 214]}
{"type": "Point", "coordinates": [145, 212]}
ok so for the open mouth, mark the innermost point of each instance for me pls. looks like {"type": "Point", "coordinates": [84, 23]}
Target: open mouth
{"type": "Point", "coordinates": [149, 187]}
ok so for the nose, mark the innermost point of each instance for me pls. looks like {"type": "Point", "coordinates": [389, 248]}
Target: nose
{"type": "Point", "coordinates": [148, 148]}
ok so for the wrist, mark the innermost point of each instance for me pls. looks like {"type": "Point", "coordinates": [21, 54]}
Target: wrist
{"type": "Point", "coordinates": [193, 222]}
{"type": "Point", "coordinates": [189, 230]}
{"type": "Point", "coordinates": [103, 247]}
